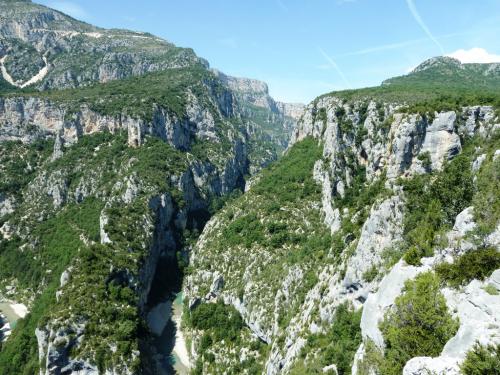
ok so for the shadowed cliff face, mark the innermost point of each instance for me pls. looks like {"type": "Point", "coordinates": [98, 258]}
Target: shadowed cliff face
{"type": "Point", "coordinates": [124, 160]}
{"type": "Point", "coordinates": [107, 176]}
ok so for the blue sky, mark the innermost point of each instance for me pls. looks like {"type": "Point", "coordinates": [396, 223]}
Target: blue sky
{"type": "Point", "coordinates": [304, 48]}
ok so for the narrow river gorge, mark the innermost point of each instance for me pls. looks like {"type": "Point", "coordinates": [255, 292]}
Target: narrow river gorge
{"type": "Point", "coordinates": [165, 318]}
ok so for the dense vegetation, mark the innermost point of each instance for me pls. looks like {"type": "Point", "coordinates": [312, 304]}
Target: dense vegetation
{"type": "Point", "coordinates": [19, 163]}
{"type": "Point", "coordinates": [442, 87]}
{"type": "Point", "coordinates": [418, 325]}
{"type": "Point", "coordinates": [282, 184]}
{"type": "Point", "coordinates": [482, 360]}
{"type": "Point", "coordinates": [433, 202]}
{"type": "Point", "coordinates": [337, 346]}
{"type": "Point", "coordinates": [223, 320]}
{"type": "Point", "coordinates": [478, 264]}
{"type": "Point", "coordinates": [220, 323]}
{"type": "Point", "coordinates": [137, 96]}
{"type": "Point", "coordinates": [486, 199]}
{"type": "Point", "coordinates": [69, 236]}
{"type": "Point", "coordinates": [279, 223]}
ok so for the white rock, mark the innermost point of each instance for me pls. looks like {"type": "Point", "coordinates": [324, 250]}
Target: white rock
{"type": "Point", "coordinates": [65, 277]}
{"type": "Point", "coordinates": [331, 369]}
{"type": "Point", "coordinates": [103, 221]}
{"type": "Point", "coordinates": [377, 304]}
{"type": "Point", "coordinates": [476, 164]}
{"type": "Point", "coordinates": [496, 155]}
{"type": "Point", "coordinates": [464, 221]}
{"type": "Point", "coordinates": [427, 366]}
{"type": "Point", "coordinates": [381, 230]}
{"type": "Point", "coordinates": [479, 316]}
{"type": "Point", "coordinates": [332, 217]}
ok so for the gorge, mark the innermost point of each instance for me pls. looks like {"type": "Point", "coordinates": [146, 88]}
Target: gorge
{"type": "Point", "coordinates": [158, 216]}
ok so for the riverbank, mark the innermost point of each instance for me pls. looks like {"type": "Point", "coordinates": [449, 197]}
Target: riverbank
{"type": "Point", "coordinates": [10, 313]}
{"type": "Point", "coordinates": [13, 311]}
{"type": "Point", "coordinates": [182, 363]}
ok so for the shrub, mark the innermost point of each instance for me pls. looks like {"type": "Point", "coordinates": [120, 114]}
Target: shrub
{"type": "Point", "coordinates": [418, 325]}
{"type": "Point", "coordinates": [391, 255]}
{"type": "Point", "coordinates": [340, 343]}
{"type": "Point", "coordinates": [432, 205]}
{"type": "Point", "coordinates": [477, 264]}
{"type": "Point", "coordinates": [491, 290]}
{"type": "Point", "coordinates": [487, 200]}
{"type": "Point", "coordinates": [371, 274]}
{"type": "Point", "coordinates": [482, 360]}
{"type": "Point", "coordinates": [223, 321]}
{"type": "Point", "coordinates": [425, 158]}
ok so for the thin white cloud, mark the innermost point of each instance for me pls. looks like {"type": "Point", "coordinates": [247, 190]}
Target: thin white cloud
{"type": "Point", "coordinates": [420, 21]}
{"type": "Point", "coordinates": [475, 55]}
{"type": "Point", "coordinates": [335, 66]}
{"type": "Point", "coordinates": [398, 45]}
{"type": "Point", "coordinates": [383, 47]}
{"type": "Point", "coordinates": [72, 9]}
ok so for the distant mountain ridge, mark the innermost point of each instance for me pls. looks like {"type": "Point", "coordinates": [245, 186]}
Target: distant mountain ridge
{"type": "Point", "coordinates": [77, 53]}
{"type": "Point", "coordinates": [451, 72]}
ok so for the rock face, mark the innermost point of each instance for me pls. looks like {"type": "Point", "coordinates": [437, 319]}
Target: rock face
{"type": "Point", "coordinates": [478, 312]}
{"type": "Point", "coordinates": [380, 231]}
{"type": "Point", "coordinates": [475, 308]}
{"type": "Point", "coordinates": [417, 142]}
{"type": "Point", "coordinates": [121, 210]}
{"type": "Point", "coordinates": [28, 119]}
{"type": "Point", "coordinates": [216, 142]}
{"type": "Point", "coordinates": [382, 144]}
{"type": "Point", "coordinates": [256, 93]}
{"type": "Point", "coordinates": [256, 103]}
{"type": "Point", "coordinates": [55, 43]}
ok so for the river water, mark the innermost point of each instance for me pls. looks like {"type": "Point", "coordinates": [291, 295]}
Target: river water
{"type": "Point", "coordinates": [180, 352]}
{"type": "Point", "coordinates": [171, 343]}
{"type": "Point", "coordinates": [9, 313]}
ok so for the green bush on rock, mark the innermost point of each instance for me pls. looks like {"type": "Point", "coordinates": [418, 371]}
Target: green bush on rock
{"type": "Point", "coordinates": [433, 202]}
{"type": "Point", "coordinates": [223, 321]}
{"type": "Point", "coordinates": [339, 344]}
{"type": "Point", "coordinates": [418, 325]}
{"type": "Point", "coordinates": [478, 264]}
{"type": "Point", "coordinates": [482, 360]}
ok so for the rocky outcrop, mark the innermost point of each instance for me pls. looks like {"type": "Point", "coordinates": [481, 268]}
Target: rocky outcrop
{"type": "Point", "coordinates": [381, 144]}
{"type": "Point", "coordinates": [479, 314]}
{"type": "Point", "coordinates": [332, 216]}
{"type": "Point", "coordinates": [475, 308]}
{"type": "Point", "coordinates": [380, 231]}
{"type": "Point", "coordinates": [404, 144]}
{"type": "Point", "coordinates": [7, 205]}
{"type": "Point", "coordinates": [249, 90]}
{"type": "Point", "coordinates": [416, 142]}
{"type": "Point", "coordinates": [256, 103]}
{"type": "Point", "coordinates": [76, 53]}
{"type": "Point", "coordinates": [28, 119]}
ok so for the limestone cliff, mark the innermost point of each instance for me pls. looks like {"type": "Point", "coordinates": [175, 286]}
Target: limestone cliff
{"type": "Point", "coordinates": [368, 149]}
{"type": "Point", "coordinates": [106, 178]}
